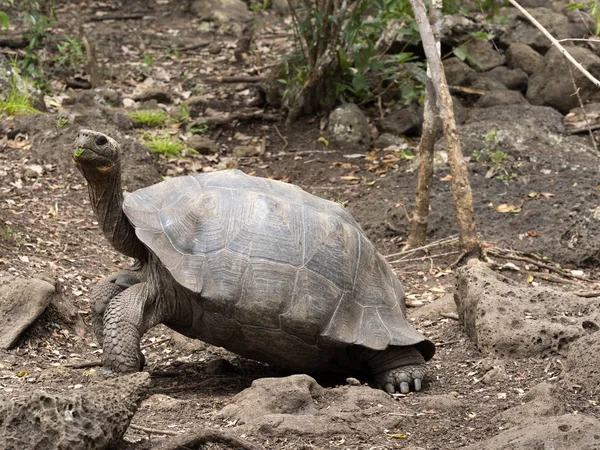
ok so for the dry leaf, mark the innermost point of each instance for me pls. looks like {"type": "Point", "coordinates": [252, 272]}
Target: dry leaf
{"type": "Point", "coordinates": [529, 278]}
{"type": "Point", "coordinates": [532, 233]}
{"type": "Point", "coordinates": [546, 194]}
{"type": "Point", "coordinates": [446, 178]}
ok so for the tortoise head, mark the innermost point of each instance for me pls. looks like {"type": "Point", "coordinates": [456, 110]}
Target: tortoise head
{"type": "Point", "coordinates": [95, 153]}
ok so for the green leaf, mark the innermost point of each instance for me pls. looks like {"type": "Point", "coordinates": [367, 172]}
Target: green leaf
{"type": "Point", "coordinates": [4, 20]}
{"type": "Point", "coordinates": [461, 53]}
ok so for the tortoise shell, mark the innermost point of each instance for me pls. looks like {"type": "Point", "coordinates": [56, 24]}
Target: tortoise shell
{"type": "Point", "coordinates": [269, 256]}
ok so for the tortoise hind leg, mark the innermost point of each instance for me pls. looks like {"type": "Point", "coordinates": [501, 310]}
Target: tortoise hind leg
{"type": "Point", "coordinates": [397, 368]}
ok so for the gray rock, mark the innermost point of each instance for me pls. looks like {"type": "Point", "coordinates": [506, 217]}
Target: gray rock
{"type": "Point", "coordinates": [185, 344]}
{"type": "Point", "coordinates": [298, 406]}
{"type": "Point", "coordinates": [529, 117]}
{"type": "Point", "coordinates": [349, 128]}
{"type": "Point", "coordinates": [122, 121]}
{"type": "Point", "coordinates": [245, 151]}
{"type": "Point", "coordinates": [442, 402]}
{"type": "Point", "coordinates": [386, 140]}
{"type": "Point", "coordinates": [484, 55]}
{"type": "Point", "coordinates": [552, 84]}
{"type": "Point", "coordinates": [455, 29]}
{"type": "Point", "coordinates": [402, 121]}
{"type": "Point", "coordinates": [196, 104]}
{"type": "Point", "coordinates": [498, 98]}
{"type": "Point", "coordinates": [22, 301]}
{"type": "Point", "coordinates": [513, 79]}
{"type": "Point", "coordinates": [228, 15]}
{"type": "Point", "coordinates": [566, 432]}
{"type": "Point", "coordinates": [456, 71]}
{"type": "Point", "coordinates": [519, 29]}
{"type": "Point", "coordinates": [507, 319]}
{"type": "Point", "coordinates": [203, 144]}
{"type": "Point", "coordinates": [582, 367]}
{"type": "Point", "coordinates": [484, 82]}
{"type": "Point", "coordinates": [96, 417]}
{"type": "Point", "coordinates": [9, 79]}
{"type": "Point", "coordinates": [432, 311]}
{"type": "Point", "coordinates": [160, 94]}
{"type": "Point", "coordinates": [543, 400]}
{"type": "Point", "coordinates": [522, 56]}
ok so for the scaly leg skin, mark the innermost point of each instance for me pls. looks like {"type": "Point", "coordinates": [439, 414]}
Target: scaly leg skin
{"type": "Point", "coordinates": [103, 292]}
{"type": "Point", "coordinates": [128, 316]}
{"type": "Point", "coordinates": [398, 369]}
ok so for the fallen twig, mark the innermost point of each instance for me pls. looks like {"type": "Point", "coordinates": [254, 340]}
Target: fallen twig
{"type": "Point", "coordinates": [84, 365]}
{"type": "Point", "coordinates": [587, 294]}
{"type": "Point", "coordinates": [154, 430]}
{"type": "Point", "coordinates": [197, 45]}
{"type": "Point", "coordinates": [195, 439]}
{"type": "Point", "coordinates": [152, 344]}
{"type": "Point", "coordinates": [285, 142]}
{"type": "Point", "coordinates": [422, 258]}
{"type": "Point", "coordinates": [501, 254]}
{"type": "Point", "coordinates": [444, 344]}
{"type": "Point", "coordinates": [445, 241]}
{"type": "Point", "coordinates": [224, 118]}
{"type": "Point", "coordinates": [552, 278]}
{"type": "Point", "coordinates": [132, 16]}
{"type": "Point", "coordinates": [238, 79]}
{"type": "Point", "coordinates": [452, 316]}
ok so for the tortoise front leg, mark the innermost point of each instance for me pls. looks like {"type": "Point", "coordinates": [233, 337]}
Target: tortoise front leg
{"type": "Point", "coordinates": [397, 369]}
{"type": "Point", "coordinates": [103, 292]}
{"type": "Point", "coordinates": [128, 316]}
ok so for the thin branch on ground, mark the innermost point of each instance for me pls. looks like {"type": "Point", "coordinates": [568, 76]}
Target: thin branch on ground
{"type": "Point", "coordinates": [84, 365]}
{"type": "Point", "coordinates": [132, 16]}
{"type": "Point", "coordinates": [285, 142]}
{"type": "Point", "coordinates": [553, 278]}
{"type": "Point", "coordinates": [444, 344]}
{"type": "Point", "coordinates": [422, 258]}
{"type": "Point", "coordinates": [152, 344]}
{"type": "Point", "coordinates": [238, 79]}
{"type": "Point", "coordinates": [590, 294]}
{"type": "Point", "coordinates": [196, 439]}
{"type": "Point", "coordinates": [444, 241]}
{"type": "Point", "coordinates": [197, 45]}
{"type": "Point", "coordinates": [154, 430]}
{"type": "Point", "coordinates": [452, 316]}
{"type": "Point", "coordinates": [501, 254]}
{"type": "Point", "coordinates": [226, 118]}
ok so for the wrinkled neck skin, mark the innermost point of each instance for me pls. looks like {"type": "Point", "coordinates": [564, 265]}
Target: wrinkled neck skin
{"type": "Point", "coordinates": [106, 195]}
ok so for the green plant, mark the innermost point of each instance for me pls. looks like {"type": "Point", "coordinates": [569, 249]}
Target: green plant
{"type": "Point", "coordinates": [150, 118]}
{"type": "Point", "coordinates": [198, 128]}
{"type": "Point", "coordinates": [498, 157]}
{"type": "Point", "coordinates": [166, 145]}
{"type": "Point", "coordinates": [71, 53]}
{"type": "Point", "coordinates": [594, 12]}
{"type": "Point", "coordinates": [183, 113]}
{"type": "Point", "coordinates": [260, 6]}
{"type": "Point", "coordinates": [148, 60]}
{"type": "Point", "coordinates": [475, 156]}
{"type": "Point", "coordinates": [9, 235]}
{"type": "Point", "coordinates": [62, 122]}
{"type": "Point", "coordinates": [18, 101]}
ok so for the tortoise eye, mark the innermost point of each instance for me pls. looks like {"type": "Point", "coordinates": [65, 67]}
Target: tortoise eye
{"type": "Point", "coordinates": [101, 140]}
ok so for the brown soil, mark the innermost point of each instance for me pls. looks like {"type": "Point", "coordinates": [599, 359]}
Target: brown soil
{"type": "Point", "coordinates": [48, 227]}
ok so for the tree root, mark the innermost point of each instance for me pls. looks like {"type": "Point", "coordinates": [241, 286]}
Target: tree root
{"type": "Point", "coordinates": [197, 439]}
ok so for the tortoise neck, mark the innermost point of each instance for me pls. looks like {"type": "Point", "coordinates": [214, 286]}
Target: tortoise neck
{"type": "Point", "coordinates": [106, 196]}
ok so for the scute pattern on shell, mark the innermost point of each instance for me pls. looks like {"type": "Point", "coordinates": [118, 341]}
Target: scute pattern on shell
{"type": "Point", "coordinates": [273, 257]}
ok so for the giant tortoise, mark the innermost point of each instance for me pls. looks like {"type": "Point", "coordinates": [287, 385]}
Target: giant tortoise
{"type": "Point", "coordinates": [257, 266]}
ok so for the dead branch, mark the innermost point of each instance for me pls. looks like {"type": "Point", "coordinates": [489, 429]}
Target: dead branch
{"type": "Point", "coordinates": [445, 241]}
{"type": "Point", "coordinates": [552, 278]}
{"type": "Point", "coordinates": [238, 79]}
{"type": "Point", "coordinates": [154, 430]}
{"type": "Point", "coordinates": [542, 265]}
{"type": "Point", "coordinates": [555, 42]}
{"type": "Point", "coordinates": [422, 258]}
{"type": "Point", "coordinates": [152, 344]}
{"type": "Point", "coordinates": [197, 45]}
{"type": "Point", "coordinates": [285, 142]}
{"type": "Point", "coordinates": [226, 118]}
{"type": "Point", "coordinates": [197, 439]}
{"type": "Point", "coordinates": [461, 189]}
{"type": "Point", "coordinates": [132, 16]}
{"type": "Point", "coordinates": [452, 316]}
{"type": "Point", "coordinates": [444, 344]}
{"type": "Point", "coordinates": [587, 294]}
{"type": "Point", "coordinates": [84, 365]}
{"type": "Point", "coordinates": [420, 217]}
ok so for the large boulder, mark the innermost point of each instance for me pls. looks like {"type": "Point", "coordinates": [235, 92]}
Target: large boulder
{"type": "Point", "coordinates": [508, 319]}
{"type": "Point", "coordinates": [542, 400]}
{"type": "Point", "coordinates": [227, 15]}
{"type": "Point", "coordinates": [499, 98]}
{"type": "Point", "coordinates": [22, 301]}
{"type": "Point", "coordinates": [582, 367]}
{"type": "Point", "coordinates": [522, 56]}
{"type": "Point", "coordinates": [298, 406]}
{"type": "Point", "coordinates": [553, 84]}
{"type": "Point", "coordinates": [349, 128]}
{"type": "Point", "coordinates": [566, 432]}
{"type": "Point", "coordinates": [484, 55]}
{"type": "Point", "coordinates": [456, 71]}
{"type": "Point", "coordinates": [96, 417]}
{"type": "Point", "coordinates": [520, 29]}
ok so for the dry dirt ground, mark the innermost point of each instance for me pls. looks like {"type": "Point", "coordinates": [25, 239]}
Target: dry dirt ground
{"type": "Point", "coordinates": [49, 229]}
